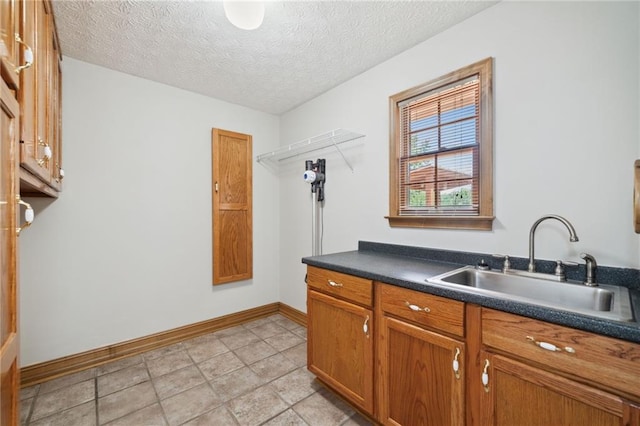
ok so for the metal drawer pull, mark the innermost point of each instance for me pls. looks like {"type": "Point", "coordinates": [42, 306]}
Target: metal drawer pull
{"type": "Point", "coordinates": [551, 347]}
{"type": "Point", "coordinates": [416, 308]}
{"type": "Point", "coordinates": [334, 284]}
{"type": "Point", "coordinates": [485, 375]}
{"type": "Point", "coordinates": [456, 364]}
{"type": "Point", "coordinates": [365, 326]}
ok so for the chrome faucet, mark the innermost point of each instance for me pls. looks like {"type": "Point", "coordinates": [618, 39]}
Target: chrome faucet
{"type": "Point", "coordinates": [572, 236]}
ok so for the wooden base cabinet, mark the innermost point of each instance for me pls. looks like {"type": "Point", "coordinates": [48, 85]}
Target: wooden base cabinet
{"type": "Point", "coordinates": [443, 362]}
{"type": "Point", "coordinates": [421, 378]}
{"type": "Point", "coordinates": [537, 373]}
{"type": "Point", "coordinates": [340, 335]}
{"type": "Point", "coordinates": [517, 394]}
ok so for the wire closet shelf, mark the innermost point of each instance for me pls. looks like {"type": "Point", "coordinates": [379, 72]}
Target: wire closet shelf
{"type": "Point", "coordinates": [330, 139]}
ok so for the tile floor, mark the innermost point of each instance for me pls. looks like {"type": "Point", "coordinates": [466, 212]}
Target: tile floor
{"type": "Point", "coordinates": [251, 374]}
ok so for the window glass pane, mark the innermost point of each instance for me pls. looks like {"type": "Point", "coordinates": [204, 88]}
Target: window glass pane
{"type": "Point", "coordinates": [423, 142]}
{"type": "Point", "coordinates": [419, 196]}
{"type": "Point", "coordinates": [422, 114]}
{"type": "Point", "coordinates": [422, 170]}
{"type": "Point", "coordinates": [457, 194]}
{"type": "Point", "coordinates": [455, 165]}
{"type": "Point", "coordinates": [459, 134]}
{"type": "Point", "coordinates": [459, 106]}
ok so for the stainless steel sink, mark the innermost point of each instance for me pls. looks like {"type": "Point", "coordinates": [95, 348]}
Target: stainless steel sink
{"type": "Point", "coordinates": [604, 301]}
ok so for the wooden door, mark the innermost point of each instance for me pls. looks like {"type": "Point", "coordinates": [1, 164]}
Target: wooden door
{"type": "Point", "coordinates": [8, 283]}
{"type": "Point", "coordinates": [340, 347]}
{"type": "Point", "coordinates": [518, 394]}
{"type": "Point", "coordinates": [417, 383]}
{"type": "Point", "coordinates": [232, 206]}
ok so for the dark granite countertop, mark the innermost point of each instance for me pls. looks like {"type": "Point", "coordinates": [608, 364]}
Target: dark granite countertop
{"type": "Point", "coordinates": [410, 267]}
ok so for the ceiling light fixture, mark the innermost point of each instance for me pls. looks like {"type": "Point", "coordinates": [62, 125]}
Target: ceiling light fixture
{"type": "Point", "coordinates": [247, 15]}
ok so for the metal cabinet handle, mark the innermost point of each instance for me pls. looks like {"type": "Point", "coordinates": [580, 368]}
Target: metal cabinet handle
{"type": "Point", "coordinates": [456, 364]}
{"type": "Point", "coordinates": [46, 154]}
{"type": "Point", "coordinates": [28, 55]}
{"type": "Point", "coordinates": [334, 284]}
{"type": "Point", "coordinates": [550, 346]}
{"type": "Point", "coordinates": [28, 215]}
{"type": "Point", "coordinates": [60, 173]}
{"type": "Point", "coordinates": [365, 326]}
{"type": "Point", "coordinates": [416, 308]}
{"type": "Point", "coordinates": [485, 375]}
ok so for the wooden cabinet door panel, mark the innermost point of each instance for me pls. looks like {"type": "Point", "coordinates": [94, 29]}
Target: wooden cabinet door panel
{"type": "Point", "coordinates": [527, 396]}
{"type": "Point", "coordinates": [54, 109]}
{"type": "Point", "coordinates": [34, 88]}
{"type": "Point", "coordinates": [418, 385]}
{"type": "Point", "coordinates": [9, 112]}
{"type": "Point", "coordinates": [9, 48]}
{"type": "Point", "coordinates": [231, 255]}
{"type": "Point", "coordinates": [232, 207]}
{"type": "Point", "coordinates": [340, 347]}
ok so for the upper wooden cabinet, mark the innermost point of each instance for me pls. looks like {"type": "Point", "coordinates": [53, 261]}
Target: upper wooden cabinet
{"type": "Point", "coordinates": [30, 65]}
{"type": "Point", "coordinates": [39, 97]}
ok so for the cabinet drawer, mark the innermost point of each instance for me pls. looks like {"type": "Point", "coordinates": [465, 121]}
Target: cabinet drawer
{"type": "Point", "coordinates": [599, 360]}
{"type": "Point", "coordinates": [422, 308]}
{"type": "Point", "coordinates": [347, 287]}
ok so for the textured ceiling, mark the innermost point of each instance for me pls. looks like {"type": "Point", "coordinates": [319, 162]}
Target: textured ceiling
{"type": "Point", "coordinates": [302, 49]}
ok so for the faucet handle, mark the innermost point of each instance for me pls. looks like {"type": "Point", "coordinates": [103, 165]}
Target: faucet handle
{"type": "Point", "coordinates": [506, 265]}
{"type": "Point", "coordinates": [591, 265]}
{"type": "Point", "coordinates": [559, 271]}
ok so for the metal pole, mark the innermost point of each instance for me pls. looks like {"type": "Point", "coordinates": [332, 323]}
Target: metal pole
{"type": "Point", "coordinates": [316, 249]}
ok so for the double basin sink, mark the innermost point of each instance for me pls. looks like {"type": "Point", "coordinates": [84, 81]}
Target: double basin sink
{"type": "Point", "coordinates": [604, 301]}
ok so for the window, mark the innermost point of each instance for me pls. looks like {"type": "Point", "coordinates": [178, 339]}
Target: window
{"type": "Point", "coordinates": [441, 152]}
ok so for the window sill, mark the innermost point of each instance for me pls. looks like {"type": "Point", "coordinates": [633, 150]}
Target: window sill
{"type": "Point", "coordinates": [477, 223]}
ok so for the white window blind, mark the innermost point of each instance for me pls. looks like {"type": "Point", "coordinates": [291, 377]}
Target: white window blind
{"type": "Point", "coordinates": [439, 164]}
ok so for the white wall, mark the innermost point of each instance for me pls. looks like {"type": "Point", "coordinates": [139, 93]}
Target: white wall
{"type": "Point", "coordinates": [566, 136]}
{"type": "Point", "coordinates": [126, 249]}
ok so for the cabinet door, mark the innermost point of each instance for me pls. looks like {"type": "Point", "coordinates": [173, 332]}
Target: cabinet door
{"type": "Point", "coordinates": [517, 394]}
{"type": "Point", "coordinates": [33, 92]}
{"type": "Point", "coordinates": [340, 347]}
{"type": "Point", "coordinates": [418, 384]}
{"type": "Point", "coordinates": [232, 207]}
{"type": "Point", "coordinates": [9, 51]}
{"type": "Point", "coordinates": [9, 382]}
{"type": "Point", "coordinates": [54, 109]}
